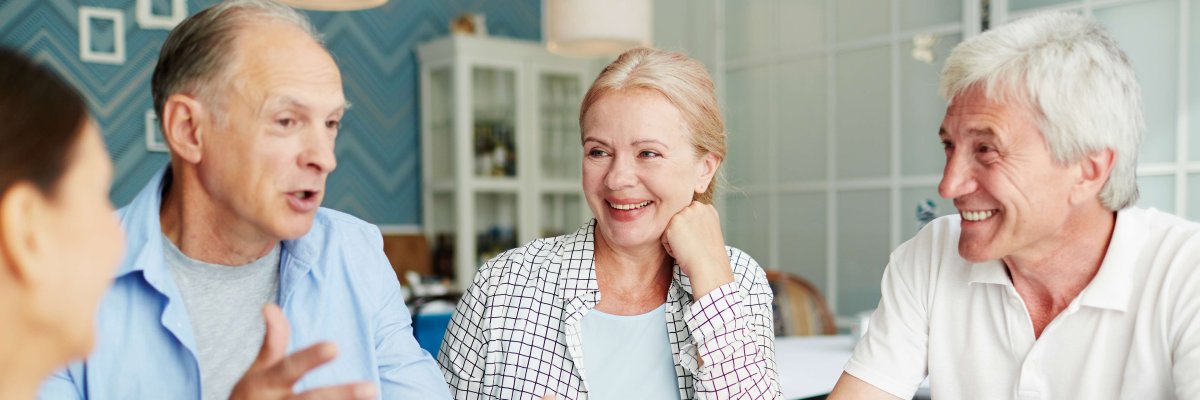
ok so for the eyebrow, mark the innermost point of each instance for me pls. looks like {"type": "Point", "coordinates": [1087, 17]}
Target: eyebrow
{"type": "Point", "coordinates": [292, 102]}
{"type": "Point", "coordinates": [650, 141]}
{"type": "Point", "coordinates": [635, 143]}
{"type": "Point", "coordinates": [592, 139]}
{"type": "Point", "coordinates": [984, 132]}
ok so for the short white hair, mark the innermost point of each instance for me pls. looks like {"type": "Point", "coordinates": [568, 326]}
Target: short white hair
{"type": "Point", "coordinates": [1071, 73]}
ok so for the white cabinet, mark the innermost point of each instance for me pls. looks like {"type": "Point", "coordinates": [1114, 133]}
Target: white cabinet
{"type": "Point", "coordinates": [500, 147]}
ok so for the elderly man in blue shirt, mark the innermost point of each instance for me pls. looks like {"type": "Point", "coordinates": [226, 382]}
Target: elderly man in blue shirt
{"type": "Point", "coordinates": [235, 283]}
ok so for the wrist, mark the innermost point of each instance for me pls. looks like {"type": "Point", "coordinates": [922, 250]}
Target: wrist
{"type": "Point", "coordinates": [709, 279]}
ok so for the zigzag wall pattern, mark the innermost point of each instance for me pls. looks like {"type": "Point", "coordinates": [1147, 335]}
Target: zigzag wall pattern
{"type": "Point", "coordinates": [378, 174]}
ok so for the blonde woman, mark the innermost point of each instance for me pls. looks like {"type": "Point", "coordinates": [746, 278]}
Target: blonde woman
{"type": "Point", "coordinates": [644, 301]}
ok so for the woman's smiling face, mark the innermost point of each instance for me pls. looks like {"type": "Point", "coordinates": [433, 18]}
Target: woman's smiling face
{"type": "Point", "coordinates": [640, 167]}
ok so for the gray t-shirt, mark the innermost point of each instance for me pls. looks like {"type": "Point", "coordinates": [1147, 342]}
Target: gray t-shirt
{"type": "Point", "coordinates": [225, 306]}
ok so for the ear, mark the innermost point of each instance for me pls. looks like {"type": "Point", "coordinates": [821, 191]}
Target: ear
{"type": "Point", "coordinates": [1093, 172]}
{"type": "Point", "coordinates": [23, 209]}
{"type": "Point", "coordinates": [709, 163]}
{"type": "Point", "coordinates": [184, 124]}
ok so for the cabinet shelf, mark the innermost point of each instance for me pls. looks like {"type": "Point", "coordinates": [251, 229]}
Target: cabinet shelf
{"type": "Point", "coordinates": [500, 147]}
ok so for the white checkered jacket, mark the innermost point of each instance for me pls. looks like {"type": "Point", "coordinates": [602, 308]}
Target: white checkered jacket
{"type": "Point", "coordinates": [516, 332]}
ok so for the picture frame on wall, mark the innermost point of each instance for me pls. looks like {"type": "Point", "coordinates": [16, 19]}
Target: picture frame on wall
{"type": "Point", "coordinates": [147, 19]}
{"type": "Point", "coordinates": [101, 35]}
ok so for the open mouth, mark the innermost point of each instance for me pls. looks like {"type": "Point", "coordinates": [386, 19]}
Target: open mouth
{"type": "Point", "coordinates": [975, 216]}
{"type": "Point", "coordinates": [627, 207]}
{"type": "Point", "coordinates": [304, 194]}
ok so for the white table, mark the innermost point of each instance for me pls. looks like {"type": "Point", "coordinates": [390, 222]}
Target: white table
{"type": "Point", "coordinates": [810, 365]}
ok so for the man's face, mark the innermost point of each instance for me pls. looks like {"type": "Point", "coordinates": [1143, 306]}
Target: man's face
{"type": "Point", "coordinates": [1012, 195]}
{"type": "Point", "coordinates": [265, 163]}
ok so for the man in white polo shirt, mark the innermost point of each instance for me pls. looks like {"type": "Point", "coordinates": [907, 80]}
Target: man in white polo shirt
{"type": "Point", "coordinates": [1048, 284]}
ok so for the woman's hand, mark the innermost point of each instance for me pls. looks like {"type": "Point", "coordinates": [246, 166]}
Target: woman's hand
{"type": "Point", "coordinates": [694, 239]}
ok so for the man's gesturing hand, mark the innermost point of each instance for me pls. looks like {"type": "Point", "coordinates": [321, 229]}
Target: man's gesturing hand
{"type": "Point", "coordinates": [274, 373]}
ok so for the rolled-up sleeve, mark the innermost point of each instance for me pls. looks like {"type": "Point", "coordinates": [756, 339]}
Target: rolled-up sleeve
{"type": "Point", "coordinates": [732, 354]}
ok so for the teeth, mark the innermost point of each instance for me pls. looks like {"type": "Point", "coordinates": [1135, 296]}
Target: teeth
{"type": "Point", "coordinates": [629, 206]}
{"type": "Point", "coordinates": [302, 194]}
{"type": "Point", "coordinates": [977, 215]}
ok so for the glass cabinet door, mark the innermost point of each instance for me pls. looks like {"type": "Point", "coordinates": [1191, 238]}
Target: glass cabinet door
{"type": "Point", "coordinates": [495, 224]}
{"type": "Point", "coordinates": [562, 213]}
{"type": "Point", "coordinates": [442, 225]}
{"type": "Point", "coordinates": [441, 124]}
{"type": "Point", "coordinates": [494, 114]}
{"type": "Point", "coordinates": [558, 97]}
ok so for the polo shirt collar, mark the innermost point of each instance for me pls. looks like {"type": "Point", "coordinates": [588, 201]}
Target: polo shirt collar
{"type": "Point", "coordinates": [990, 272]}
{"type": "Point", "coordinates": [1112, 285]}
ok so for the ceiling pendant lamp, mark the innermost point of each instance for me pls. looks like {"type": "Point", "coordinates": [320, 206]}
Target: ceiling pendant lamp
{"type": "Point", "coordinates": [334, 5]}
{"type": "Point", "coordinates": [592, 28]}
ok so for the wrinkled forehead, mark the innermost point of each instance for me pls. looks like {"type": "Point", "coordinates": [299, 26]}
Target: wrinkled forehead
{"type": "Point", "coordinates": [284, 65]}
{"type": "Point", "coordinates": [1010, 93]}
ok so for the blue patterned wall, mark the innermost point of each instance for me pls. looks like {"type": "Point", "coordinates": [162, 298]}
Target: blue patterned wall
{"type": "Point", "coordinates": [378, 174]}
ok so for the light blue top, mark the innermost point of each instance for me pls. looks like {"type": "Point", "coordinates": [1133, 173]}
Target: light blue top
{"type": "Point", "coordinates": [335, 284]}
{"type": "Point", "coordinates": [628, 357]}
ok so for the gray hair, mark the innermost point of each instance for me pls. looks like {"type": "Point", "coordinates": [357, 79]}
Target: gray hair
{"type": "Point", "coordinates": [196, 56]}
{"type": "Point", "coordinates": [1079, 84]}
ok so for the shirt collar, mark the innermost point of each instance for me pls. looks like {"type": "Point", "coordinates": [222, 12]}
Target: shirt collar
{"type": "Point", "coordinates": [143, 229]}
{"type": "Point", "coordinates": [990, 272]}
{"type": "Point", "coordinates": [1111, 287]}
{"type": "Point", "coordinates": [579, 265]}
{"type": "Point", "coordinates": [579, 262]}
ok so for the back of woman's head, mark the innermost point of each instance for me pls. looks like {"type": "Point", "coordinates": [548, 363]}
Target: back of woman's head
{"type": "Point", "coordinates": [683, 82]}
{"type": "Point", "coordinates": [42, 118]}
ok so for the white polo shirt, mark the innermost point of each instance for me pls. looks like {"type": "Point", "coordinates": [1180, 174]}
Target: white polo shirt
{"type": "Point", "coordinates": [1134, 331]}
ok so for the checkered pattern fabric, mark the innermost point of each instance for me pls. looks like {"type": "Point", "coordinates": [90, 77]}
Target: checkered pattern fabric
{"type": "Point", "coordinates": [516, 333]}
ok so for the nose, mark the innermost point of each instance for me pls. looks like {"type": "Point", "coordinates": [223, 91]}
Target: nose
{"type": "Point", "coordinates": [958, 178]}
{"type": "Point", "coordinates": [621, 174]}
{"type": "Point", "coordinates": [318, 153]}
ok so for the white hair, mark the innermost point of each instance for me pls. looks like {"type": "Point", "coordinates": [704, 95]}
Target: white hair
{"type": "Point", "coordinates": [1079, 84]}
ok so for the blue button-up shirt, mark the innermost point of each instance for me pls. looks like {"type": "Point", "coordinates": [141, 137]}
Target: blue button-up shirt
{"type": "Point", "coordinates": [335, 284]}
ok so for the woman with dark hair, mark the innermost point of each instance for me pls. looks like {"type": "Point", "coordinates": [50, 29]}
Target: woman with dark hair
{"type": "Point", "coordinates": [59, 238]}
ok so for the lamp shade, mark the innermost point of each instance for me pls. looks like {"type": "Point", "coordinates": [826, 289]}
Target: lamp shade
{"type": "Point", "coordinates": [334, 5]}
{"type": "Point", "coordinates": [590, 28]}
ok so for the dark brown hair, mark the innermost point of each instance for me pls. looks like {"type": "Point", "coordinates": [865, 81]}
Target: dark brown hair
{"type": "Point", "coordinates": [40, 119]}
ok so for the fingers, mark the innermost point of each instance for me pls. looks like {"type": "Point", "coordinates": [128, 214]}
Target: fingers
{"type": "Point", "coordinates": [274, 373]}
{"type": "Point", "coordinates": [275, 340]}
{"type": "Point", "coordinates": [666, 243]}
{"type": "Point", "coordinates": [289, 370]}
{"type": "Point", "coordinates": [550, 397]}
{"type": "Point", "coordinates": [356, 391]}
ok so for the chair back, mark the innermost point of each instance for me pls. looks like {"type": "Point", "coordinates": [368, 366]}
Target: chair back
{"type": "Point", "coordinates": [799, 307]}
